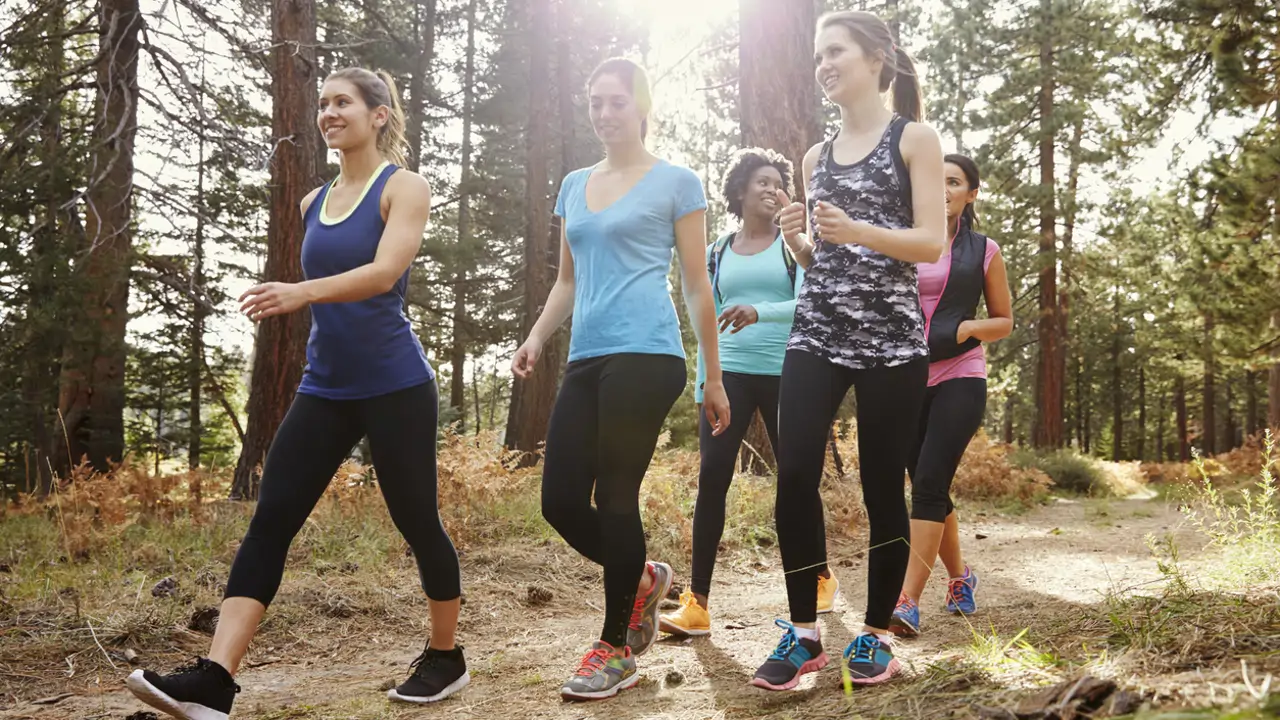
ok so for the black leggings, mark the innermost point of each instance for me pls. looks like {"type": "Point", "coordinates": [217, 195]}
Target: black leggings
{"type": "Point", "coordinates": [603, 432]}
{"type": "Point", "coordinates": [315, 437]}
{"type": "Point", "coordinates": [747, 393]}
{"type": "Point", "coordinates": [950, 417]}
{"type": "Point", "coordinates": [889, 401]}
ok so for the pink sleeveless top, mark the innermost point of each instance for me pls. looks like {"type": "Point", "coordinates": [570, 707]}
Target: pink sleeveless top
{"type": "Point", "coordinates": [933, 278]}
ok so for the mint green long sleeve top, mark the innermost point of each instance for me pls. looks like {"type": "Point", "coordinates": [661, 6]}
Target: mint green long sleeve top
{"type": "Point", "coordinates": [761, 281]}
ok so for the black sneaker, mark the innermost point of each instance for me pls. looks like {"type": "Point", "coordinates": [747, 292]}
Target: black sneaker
{"type": "Point", "coordinates": [203, 690]}
{"type": "Point", "coordinates": [434, 675]}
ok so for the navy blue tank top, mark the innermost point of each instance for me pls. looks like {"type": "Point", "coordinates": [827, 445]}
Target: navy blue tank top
{"type": "Point", "coordinates": [357, 349]}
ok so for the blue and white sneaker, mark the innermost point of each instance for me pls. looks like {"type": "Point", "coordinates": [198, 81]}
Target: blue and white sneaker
{"type": "Point", "coordinates": [960, 593]}
{"type": "Point", "coordinates": [870, 661]}
{"type": "Point", "coordinates": [906, 618]}
{"type": "Point", "coordinates": [791, 660]}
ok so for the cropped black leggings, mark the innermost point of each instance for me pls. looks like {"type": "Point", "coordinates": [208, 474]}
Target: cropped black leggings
{"type": "Point", "coordinates": [316, 435]}
{"type": "Point", "coordinates": [747, 393]}
{"type": "Point", "coordinates": [889, 401]}
{"type": "Point", "coordinates": [603, 432]}
{"type": "Point", "coordinates": [951, 415]}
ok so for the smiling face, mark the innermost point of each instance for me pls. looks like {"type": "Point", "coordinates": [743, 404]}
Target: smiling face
{"type": "Point", "coordinates": [959, 194]}
{"type": "Point", "coordinates": [760, 196]}
{"type": "Point", "coordinates": [346, 122]}
{"type": "Point", "coordinates": [614, 114]}
{"type": "Point", "coordinates": [844, 70]}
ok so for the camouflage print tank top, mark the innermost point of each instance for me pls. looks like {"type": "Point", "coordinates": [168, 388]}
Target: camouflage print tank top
{"type": "Point", "coordinates": [859, 308]}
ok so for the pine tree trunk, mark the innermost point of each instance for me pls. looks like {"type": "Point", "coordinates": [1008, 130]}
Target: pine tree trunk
{"type": "Point", "coordinates": [160, 403]}
{"type": "Point", "coordinates": [533, 399]}
{"type": "Point", "coordinates": [1078, 420]}
{"type": "Point", "coordinates": [1229, 420]}
{"type": "Point", "coordinates": [1180, 408]}
{"type": "Point", "coordinates": [1068, 236]}
{"type": "Point", "coordinates": [475, 400]}
{"type": "Point", "coordinates": [778, 102]}
{"type": "Point", "coordinates": [195, 359]}
{"type": "Point", "coordinates": [280, 346]}
{"type": "Point", "coordinates": [1161, 454]}
{"type": "Point", "coordinates": [1048, 425]}
{"type": "Point", "coordinates": [778, 110]}
{"type": "Point", "coordinates": [1208, 441]}
{"type": "Point", "coordinates": [1250, 403]}
{"type": "Point", "coordinates": [91, 393]}
{"type": "Point", "coordinates": [1273, 377]}
{"type": "Point", "coordinates": [493, 397]}
{"type": "Point", "coordinates": [1117, 389]}
{"type": "Point", "coordinates": [1142, 413]}
{"type": "Point", "coordinates": [44, 339]}
{"type": "Point", "coordinates": [458, 352]}
{"type": "Point", "coordinates": [424, 21]}
{"type": "Point", "coordinates": [1087, 412]}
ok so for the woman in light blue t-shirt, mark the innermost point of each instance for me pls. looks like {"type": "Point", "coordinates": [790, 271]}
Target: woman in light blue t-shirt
{"type": "Point", "coordinates": [621, 221]}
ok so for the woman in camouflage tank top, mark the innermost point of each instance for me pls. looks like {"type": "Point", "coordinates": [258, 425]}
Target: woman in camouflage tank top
{"type": "Point", "coordinates": [876, 208]}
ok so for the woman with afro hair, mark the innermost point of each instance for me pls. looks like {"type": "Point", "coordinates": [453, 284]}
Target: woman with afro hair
{"type": "Point", "coordinates": [755, 281]}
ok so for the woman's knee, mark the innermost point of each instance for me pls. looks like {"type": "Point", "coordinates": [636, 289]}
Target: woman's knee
{"type": "Point", "coordinates": [930, 506]}
{"type": "Point", "coordinates": [559, 511]}
{"type": "Point", "coordinates": [275, 521]}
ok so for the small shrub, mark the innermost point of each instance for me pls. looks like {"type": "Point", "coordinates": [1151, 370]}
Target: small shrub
{"type": "Point", "coordinates": [1247, 528]}
{"type": "Point", "coordinates": [1070, 471]}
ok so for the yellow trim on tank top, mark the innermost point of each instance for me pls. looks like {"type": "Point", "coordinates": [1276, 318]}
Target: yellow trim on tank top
{"type": "Point", "coordinates": [324, 207]}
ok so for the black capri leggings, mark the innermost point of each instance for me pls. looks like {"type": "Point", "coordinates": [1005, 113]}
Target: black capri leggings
{"type": "Point", "coordinates": [316, 435]}
{"type": "Point", "coordinates": [603, 432]}
{"type": "Point", "coordinates": [747, 393]}
{"type": "Point", "coordinates": [950, 417]}
{"type": "Point", "coordinates": [889, 401]}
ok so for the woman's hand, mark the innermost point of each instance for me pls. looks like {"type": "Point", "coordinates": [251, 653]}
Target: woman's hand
{"type": "Point", "coordinates": [525, 358]}
{"type": "Point", "coordinates": [715, 403]}
{"type": "Point", "coordinates": [273, 298]}
{"type": "Point", "coordinates": [834, 226]}
{"type": "Point", "coordinates": [790, 218]}
{"type": "Point", "coordinates": [964, 332]}
{"type": "Point", "coordinates": [738, 316]}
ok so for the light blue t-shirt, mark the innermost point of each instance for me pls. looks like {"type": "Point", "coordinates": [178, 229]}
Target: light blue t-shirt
{"type": "Point", "coordinates": [761, 281]}
{"type": "Point", "coordinates": [621, 256]}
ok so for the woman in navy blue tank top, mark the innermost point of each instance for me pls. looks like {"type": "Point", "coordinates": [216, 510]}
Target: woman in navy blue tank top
{"type": "Point", "coordinates": [366, 376]}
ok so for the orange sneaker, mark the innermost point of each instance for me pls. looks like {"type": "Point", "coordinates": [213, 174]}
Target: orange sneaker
{"type": "Point", "coordinates": [828, 590]}
{"type": "Point", "coordinates": [690, 619]}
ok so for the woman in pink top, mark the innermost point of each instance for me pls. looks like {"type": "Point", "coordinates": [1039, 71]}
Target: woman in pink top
{"type": "Point", "coordinates": [970, 269]}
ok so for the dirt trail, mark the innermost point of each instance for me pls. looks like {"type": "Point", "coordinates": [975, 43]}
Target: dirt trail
{"type": "Point", "coordinates": [1037, 569]}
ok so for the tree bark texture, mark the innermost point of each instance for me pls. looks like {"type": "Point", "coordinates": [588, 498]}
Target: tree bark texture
{"type": "Point", "coordinates": [280, 346]}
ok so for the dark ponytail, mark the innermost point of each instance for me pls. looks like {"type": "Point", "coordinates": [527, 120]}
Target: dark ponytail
{"type": "Point", "coordinates": [899, 71]}
{"type": "Point", "coordinates": [970, 170]}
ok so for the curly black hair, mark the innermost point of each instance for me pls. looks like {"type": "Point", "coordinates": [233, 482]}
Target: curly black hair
{"type": "Point", "coordinates": [745, 163]}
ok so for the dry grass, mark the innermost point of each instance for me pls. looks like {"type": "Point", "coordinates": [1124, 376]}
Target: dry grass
{"type": "Point", "coordinates": [79, 568]}
{"type": "Point", "coordinates": [986, 473]}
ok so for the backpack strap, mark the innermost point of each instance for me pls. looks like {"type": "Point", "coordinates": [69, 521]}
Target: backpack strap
{"type": "Point", "coordinates": [713, 263]}
{"type": "Point", "coordinates": [896, 126]}
{"type": "Point", "coordinates": [789, 260]}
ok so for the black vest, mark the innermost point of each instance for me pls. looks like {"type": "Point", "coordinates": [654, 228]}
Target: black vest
{"type": "Point", "coordinates": [961, 292]}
